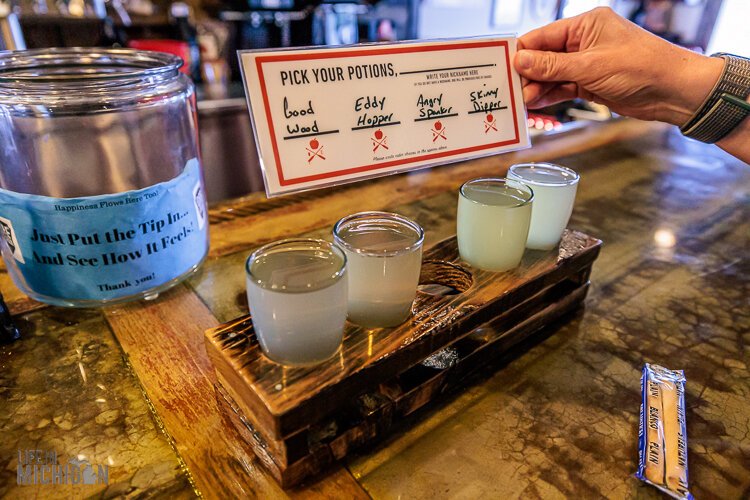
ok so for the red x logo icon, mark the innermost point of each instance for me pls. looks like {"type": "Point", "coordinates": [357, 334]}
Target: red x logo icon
{"type": "Point", "coordinates": [378, 140]}
{"type": "Point", "coordinates": [314, 150]}
{"type": "Point", "coordinates": [438, 131]}
{"type": "Point", "coordinates": [490, 123]}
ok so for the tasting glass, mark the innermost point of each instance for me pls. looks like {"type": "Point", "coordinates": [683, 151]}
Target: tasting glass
{"type": "Point", "coordinates": [493, 222]}
{"type": "Point", "coordinates": [384, 256]}
{"type": "Point", "coordinates": [554, 193]}
{"type": "Point", "coordinates": [296, 290]}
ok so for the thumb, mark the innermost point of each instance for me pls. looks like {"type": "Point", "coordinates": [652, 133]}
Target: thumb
{"type": "Point", "coordinates": [543, 66]}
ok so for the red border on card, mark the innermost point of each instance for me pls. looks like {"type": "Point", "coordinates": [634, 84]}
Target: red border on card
{"type": "Point", "coordinates": [371, 52]}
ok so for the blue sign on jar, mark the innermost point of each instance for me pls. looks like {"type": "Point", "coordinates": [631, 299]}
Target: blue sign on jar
{"type": "Point", "coordinates": [105, 248]}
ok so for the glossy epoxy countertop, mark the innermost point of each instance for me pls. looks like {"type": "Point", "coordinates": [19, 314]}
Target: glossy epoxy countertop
{"type": "Point", "coordinates": [132, 387]}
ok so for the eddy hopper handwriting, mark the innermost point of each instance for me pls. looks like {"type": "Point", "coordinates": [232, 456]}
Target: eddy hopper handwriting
{"type": "Point", "coordinates": [335, 115]}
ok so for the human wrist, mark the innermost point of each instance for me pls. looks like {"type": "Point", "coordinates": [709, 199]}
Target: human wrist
{"type": "Point", "coordinates": [690, 82]}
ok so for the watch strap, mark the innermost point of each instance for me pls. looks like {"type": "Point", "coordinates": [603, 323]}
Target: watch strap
{"type": "Point", "coordinates": [717, 117]}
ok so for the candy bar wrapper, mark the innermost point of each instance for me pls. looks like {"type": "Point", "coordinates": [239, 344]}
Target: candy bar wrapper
{"type": "Point", "coordinates": [662, 438]}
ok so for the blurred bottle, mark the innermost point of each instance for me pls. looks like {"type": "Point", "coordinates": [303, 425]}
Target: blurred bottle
{"type": "Point", "coordinates": [180, 14]}
{"type": "Point", "coordinates": [11, 36]}
{"type": "Point", "coordinates": [215, 73]}
{"type": "Point", "coordinates": [386, 31]}
{"type": "Point", "coordinates": [336, 24]}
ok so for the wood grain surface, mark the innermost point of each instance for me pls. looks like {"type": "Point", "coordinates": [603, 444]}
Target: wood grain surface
{"type": "Point", "coordinates": [164, 346]}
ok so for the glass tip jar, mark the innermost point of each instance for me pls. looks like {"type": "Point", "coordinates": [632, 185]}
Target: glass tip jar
{"type": "Point", "coordinates": [101, 187]}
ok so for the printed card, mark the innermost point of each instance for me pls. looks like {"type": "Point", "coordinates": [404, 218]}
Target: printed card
{"type": "Point", "coordinates": [326, 116]}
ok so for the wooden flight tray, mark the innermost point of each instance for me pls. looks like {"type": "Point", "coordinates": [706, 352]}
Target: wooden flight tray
{"type": "Point", "coordinates": [300, 420]}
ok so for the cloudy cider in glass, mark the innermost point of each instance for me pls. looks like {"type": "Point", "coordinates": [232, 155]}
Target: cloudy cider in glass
{"type": "Point", "coordinates": [554, 194]}
{"type": "Point", "coordinates": [493, 223]}
{"type": "Point", "coordinates": [384, 259]}
{"type": "Point", "coordinates": [297, 297]}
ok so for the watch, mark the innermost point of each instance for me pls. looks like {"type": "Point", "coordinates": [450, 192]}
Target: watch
{"type": "Point", "coordinates": [726, 106]}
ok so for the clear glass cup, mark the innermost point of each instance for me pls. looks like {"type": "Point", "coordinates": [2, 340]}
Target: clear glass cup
{"type": "Point", "coordinates": [554, 194]}
{"type": "Point", "coordinates": [296, 290]}
{"type": "Point", "coordinates": [493, 222]}
{"type": "Point", "coordinates": [384, 255]}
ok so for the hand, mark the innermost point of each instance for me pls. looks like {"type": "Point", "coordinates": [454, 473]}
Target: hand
{"type": "Point", "coordinates": [604, 58]}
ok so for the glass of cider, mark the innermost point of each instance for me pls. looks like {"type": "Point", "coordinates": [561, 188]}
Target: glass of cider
{"type": "Point", "coordinates": [384, 255]}
{"type": "Point", "coordinates": [554, 194]}
{"type": "Point", "coordinates": [296, 290]}
{"type": "Point", "coordinates": [493, 222]}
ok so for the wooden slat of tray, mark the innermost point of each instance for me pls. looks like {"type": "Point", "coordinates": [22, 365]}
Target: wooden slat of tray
{"type": "Point", "coordinates": [286, 400]}
{"type": "Point", "coordinates": [376, 412]}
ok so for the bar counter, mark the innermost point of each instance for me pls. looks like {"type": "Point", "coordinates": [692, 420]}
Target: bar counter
{"type": "Point", "coordinates": [132, 387]}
